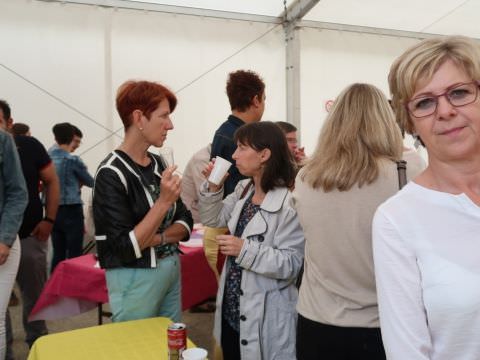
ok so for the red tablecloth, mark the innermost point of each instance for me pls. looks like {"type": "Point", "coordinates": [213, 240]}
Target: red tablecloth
{"type": "Point", "coordinates": [77, 285]}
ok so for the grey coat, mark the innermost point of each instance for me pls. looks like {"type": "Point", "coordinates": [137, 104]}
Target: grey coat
{"type": "Point", "coordinates": [271, 257]}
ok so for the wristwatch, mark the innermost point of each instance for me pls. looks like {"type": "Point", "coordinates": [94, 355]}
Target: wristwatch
{"type": "Point", "coordinates": [50, 220]}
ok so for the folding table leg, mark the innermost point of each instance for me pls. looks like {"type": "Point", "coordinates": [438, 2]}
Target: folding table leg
{"type": "Point", "coordinates": [100, 314]}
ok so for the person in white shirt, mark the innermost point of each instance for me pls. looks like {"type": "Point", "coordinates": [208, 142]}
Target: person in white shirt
{"type": "Point", "coordinates": [192, 179]}
{"type": "Point", "coordinates": [426, 237]}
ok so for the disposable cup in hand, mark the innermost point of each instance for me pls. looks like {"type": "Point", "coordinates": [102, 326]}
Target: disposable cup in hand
{"type": "Point", "coordinates": [167, 154]}
{"type": "Point", "coordinates": [219, 170]}
{"type": "Point", "coordinates": [194, 354]}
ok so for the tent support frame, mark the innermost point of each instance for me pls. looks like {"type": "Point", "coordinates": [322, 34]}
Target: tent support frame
{"type": "Point", "coordinates": [172, 9]}
{"type": "Point", "coordinates": [292, 16]}
{"type": "Point", "coordinates": [291, 19]}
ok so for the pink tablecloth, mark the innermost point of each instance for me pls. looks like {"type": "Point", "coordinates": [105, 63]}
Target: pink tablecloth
{"type": "Point", "coordinates": [77, 285]}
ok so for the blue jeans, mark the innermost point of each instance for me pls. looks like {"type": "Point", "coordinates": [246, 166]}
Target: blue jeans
{"type": "Point", "coordinates": [67, 233]}
{"type": "Point", "coordinates": [139, 293]}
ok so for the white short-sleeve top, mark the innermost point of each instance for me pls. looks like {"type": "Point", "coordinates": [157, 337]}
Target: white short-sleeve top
{"type": "Point", "coordinates": [427, 267]}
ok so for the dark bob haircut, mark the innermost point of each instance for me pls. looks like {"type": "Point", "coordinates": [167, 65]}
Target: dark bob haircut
{"type": "Point", "coordinates": [280, 167]}
{"type": "Point", "coordinates": [145, 96]}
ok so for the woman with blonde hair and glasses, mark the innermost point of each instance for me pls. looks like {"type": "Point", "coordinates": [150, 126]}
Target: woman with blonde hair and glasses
{"type": "Point", "coordinates": [426, 238]}
{"type": "Point", "coordinates": [351, 172]}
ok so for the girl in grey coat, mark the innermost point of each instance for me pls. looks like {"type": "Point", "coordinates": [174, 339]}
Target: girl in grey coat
{"type": "Point", "coordinates": [255, 316]}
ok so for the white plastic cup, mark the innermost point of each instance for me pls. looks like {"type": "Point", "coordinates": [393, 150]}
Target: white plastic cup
{"type": "Point", "coordinates": [194, 354]}
{"type": "Point", "coordinates": [219, 170]}
{"type": "Point", "coordinates": [167, 154]}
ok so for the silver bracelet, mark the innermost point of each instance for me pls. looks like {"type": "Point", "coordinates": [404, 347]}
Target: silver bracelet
{"type": "Point", "coordinates": [162, 238]}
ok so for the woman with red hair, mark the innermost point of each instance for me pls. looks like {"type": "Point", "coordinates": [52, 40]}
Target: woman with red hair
{"type": "Point", "coordinates": [138, 214]}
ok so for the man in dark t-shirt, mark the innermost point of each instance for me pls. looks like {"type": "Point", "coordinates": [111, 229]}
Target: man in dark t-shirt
{"type": "Point", "coordinates": [36, 227]}
{"type": "Point", "coordinates": [34, 159]}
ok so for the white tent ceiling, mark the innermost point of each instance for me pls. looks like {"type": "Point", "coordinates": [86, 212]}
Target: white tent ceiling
{"type": "Point", "coordinates": [191, 45]}
{"type": "Point", "coordinates": [425, 16]}
{"type": "Point", "coordinates": [254, 7]}
{"type": "Point", "coordinates": [438, 17]}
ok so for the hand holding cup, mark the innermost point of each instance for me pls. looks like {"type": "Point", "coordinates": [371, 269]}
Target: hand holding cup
{"type": "Point", "coordinates": [216, 172]}
{"type": "Point", "coordinates": [170, 185]}
{"type": "Point", "coordinates": [229, 244]}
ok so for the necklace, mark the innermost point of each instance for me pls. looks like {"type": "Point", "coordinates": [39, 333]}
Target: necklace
{"type": "Point", "coordinates": [152, 186]}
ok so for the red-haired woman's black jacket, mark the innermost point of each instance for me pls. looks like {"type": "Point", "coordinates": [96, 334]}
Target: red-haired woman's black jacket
{"type": "Point", "coordinates": [120, 202]}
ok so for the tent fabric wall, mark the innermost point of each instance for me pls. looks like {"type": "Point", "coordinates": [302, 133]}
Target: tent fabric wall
{"type": "Point", "coordinates": [426, 16]}
{"type": "Point", "coordinates": [81, 54]}
{"type": "Point", "coordinates": [332, 60]}
{"type": "Point", "coordinates": [64, 62]}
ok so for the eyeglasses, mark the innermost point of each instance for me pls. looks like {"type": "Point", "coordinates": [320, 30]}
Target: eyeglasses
{"type": "Point", "coordinates": [457, 95]}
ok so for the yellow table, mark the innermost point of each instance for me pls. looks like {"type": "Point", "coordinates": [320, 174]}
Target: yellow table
{"type": "Point", "coordinates": [139, 339]}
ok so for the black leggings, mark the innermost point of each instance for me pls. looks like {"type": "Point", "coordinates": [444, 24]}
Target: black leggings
{"type": "Point", "coordinates": [316, 341]}
{"type": "Point", "coordinates": [230, 342]}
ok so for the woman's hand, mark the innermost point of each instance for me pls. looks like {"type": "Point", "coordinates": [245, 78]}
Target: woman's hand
{"type": "Point", "coordinates": [170, 186]}
{"type": "Point", "coordinates": [4, 252]}
{"type": "Point", "coordinates": [230, 245]}
{"type": "Point", "coordinates": [207, 171]}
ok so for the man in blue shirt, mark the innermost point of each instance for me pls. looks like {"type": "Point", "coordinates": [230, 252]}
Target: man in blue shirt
{"type": "Point", "coordinates": [77, 139]}
{"type": "Point", "coordinates": [67, 233]}
{"type": "Point", "coordinates": [246, 94]}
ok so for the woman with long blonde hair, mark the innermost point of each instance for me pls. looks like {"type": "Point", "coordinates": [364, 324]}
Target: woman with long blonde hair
{"type": "Point", "coordinates": [351, 172]}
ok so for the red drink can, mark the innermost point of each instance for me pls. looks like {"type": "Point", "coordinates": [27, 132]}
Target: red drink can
{"type": "Point", "coordinates": [177, 340]}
